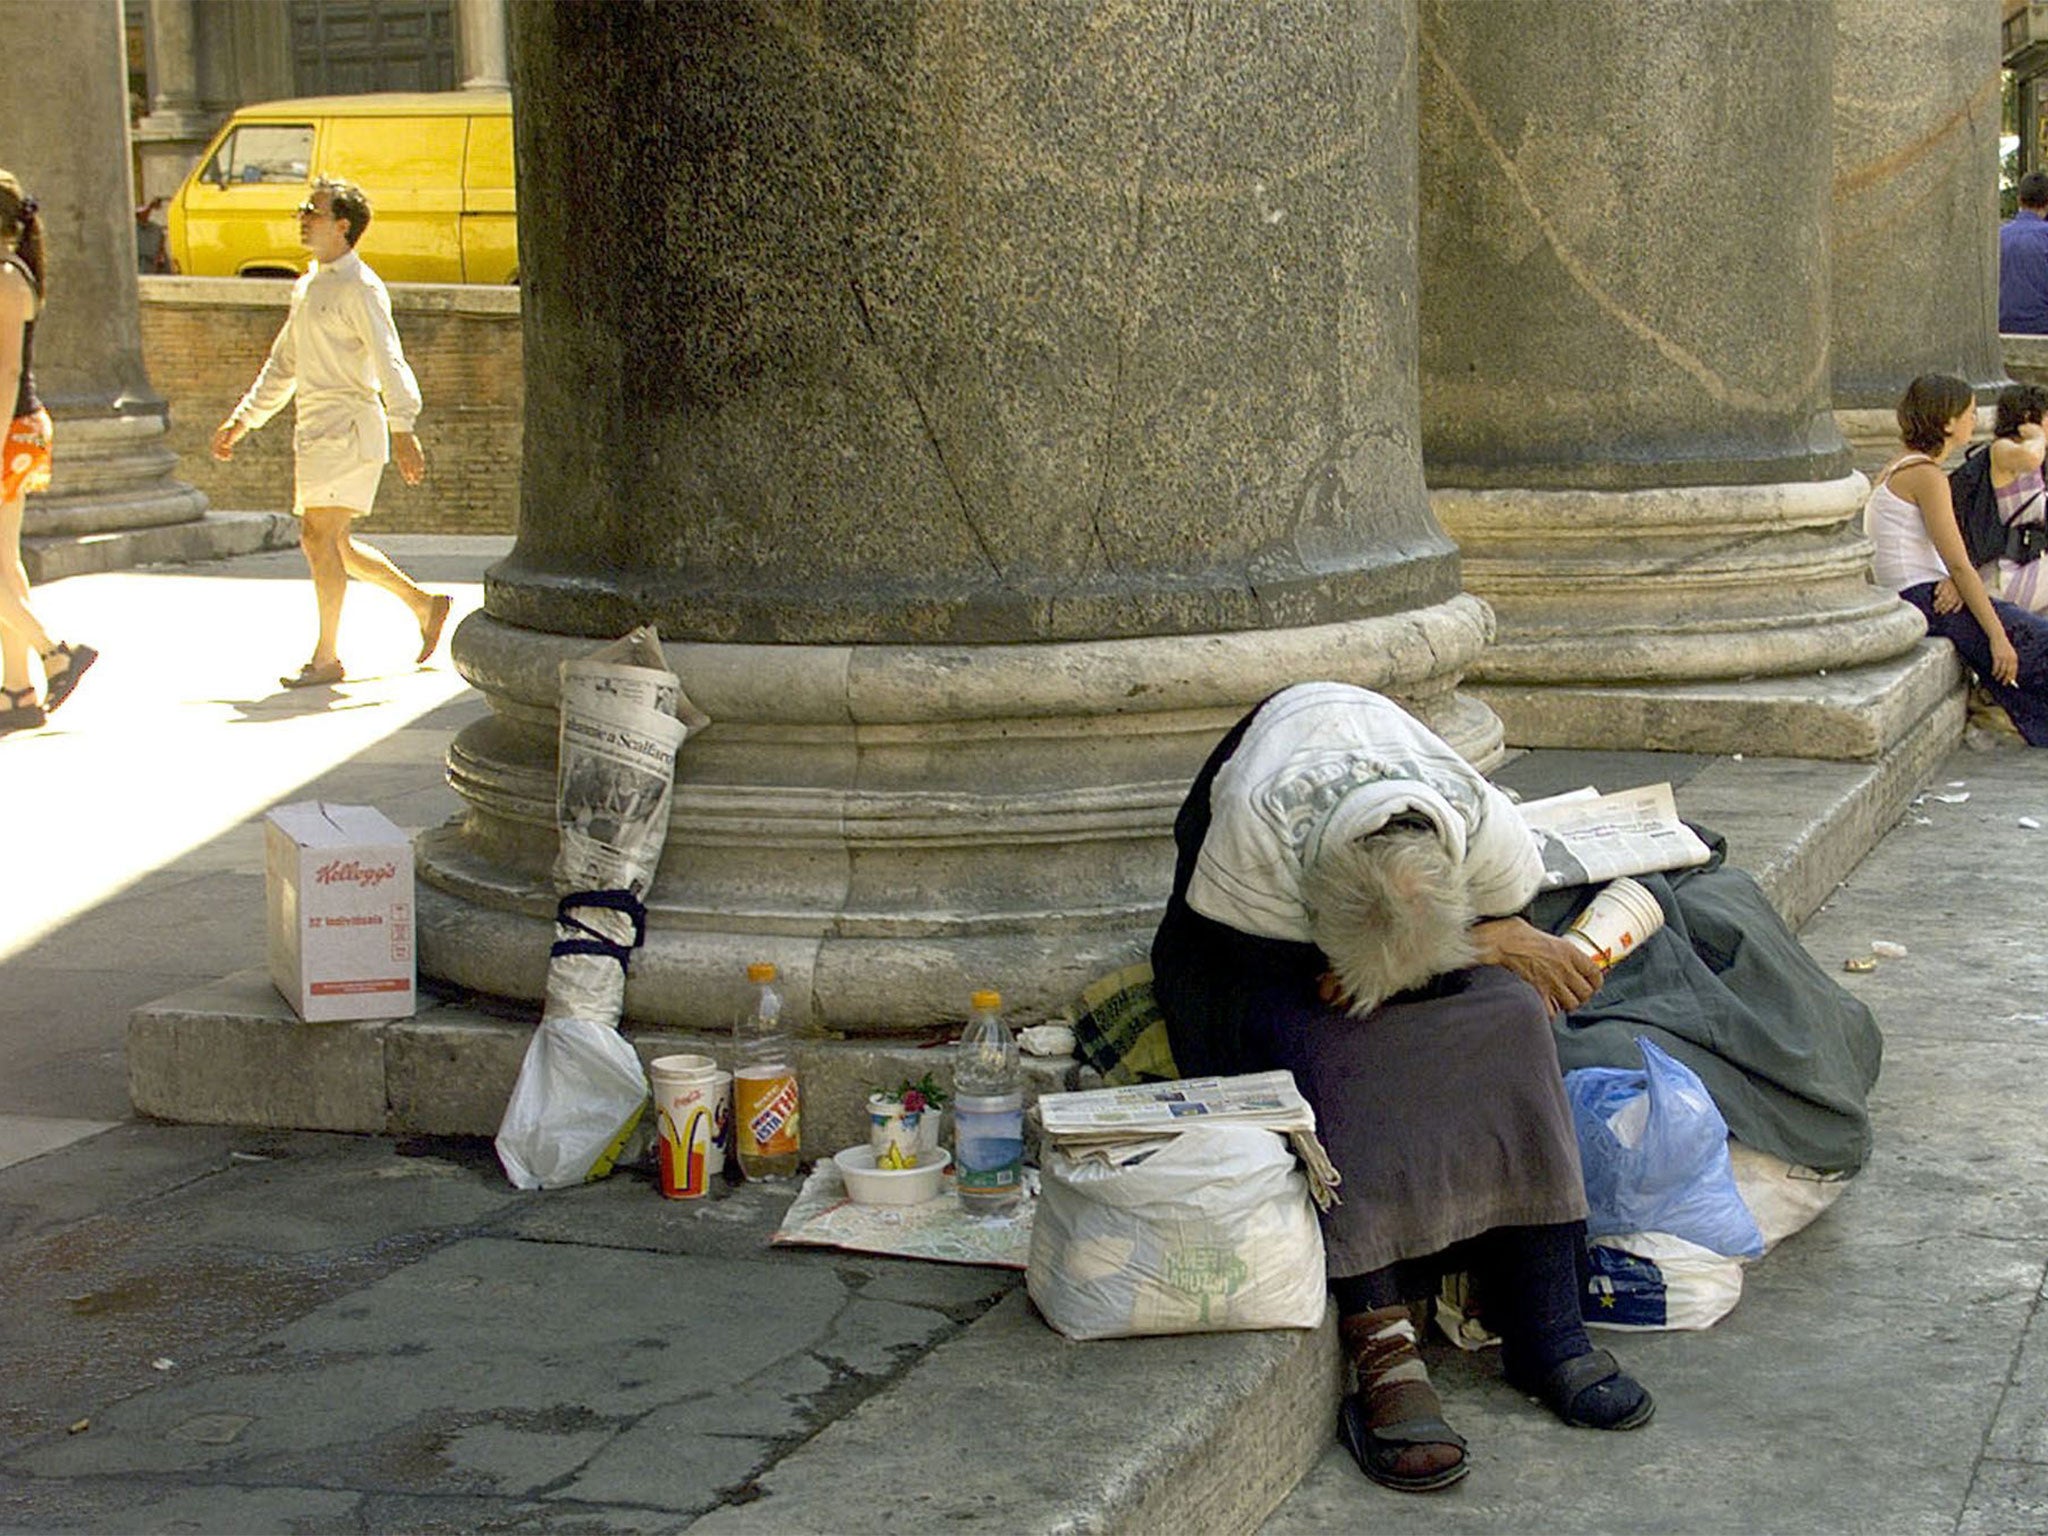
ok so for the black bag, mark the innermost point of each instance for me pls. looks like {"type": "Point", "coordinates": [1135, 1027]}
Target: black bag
{"type": "Point", "coordinates": [2025, 542]}
{"type": "Point", "coordinates": [1976, 504]}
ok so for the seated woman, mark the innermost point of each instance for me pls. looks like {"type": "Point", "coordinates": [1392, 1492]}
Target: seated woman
{"type": "Point", "coordinates": [2018, 445]}
{"type": "Point", "coordinates": [1339, 910]}
{"type": "Point", "coordinates": [1918, 552]}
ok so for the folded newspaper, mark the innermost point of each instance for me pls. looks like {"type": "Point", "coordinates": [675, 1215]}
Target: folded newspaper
{"type": "Point", "coordinates": [1587, 838]}
{"type": "Point", "coordinates": [1104, 1118]}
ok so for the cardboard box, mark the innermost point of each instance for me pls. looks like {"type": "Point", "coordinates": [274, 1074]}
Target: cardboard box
{"type": "Point", "coordinates": [338, 891]}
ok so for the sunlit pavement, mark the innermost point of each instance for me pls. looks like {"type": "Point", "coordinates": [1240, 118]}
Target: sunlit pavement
{"type": "Point", "coordinates": [150, 785]}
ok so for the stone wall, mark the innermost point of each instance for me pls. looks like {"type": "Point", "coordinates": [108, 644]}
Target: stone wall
{"type": "Point", "coordinates": [203, 338]}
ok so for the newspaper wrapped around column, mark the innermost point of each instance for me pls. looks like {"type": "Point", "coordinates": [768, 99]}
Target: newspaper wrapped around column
{"type": "Point", "coordinates": [581, 1089]}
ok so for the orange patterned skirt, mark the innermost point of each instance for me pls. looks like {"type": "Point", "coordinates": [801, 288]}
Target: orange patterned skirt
{"type": "Point", "coordinates": [26, 465]}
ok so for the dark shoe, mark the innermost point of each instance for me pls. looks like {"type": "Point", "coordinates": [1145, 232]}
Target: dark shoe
{"type": "Point", "coordinates": [1571, 1391]}
{"type": "Point", "coordinates": [20, 715]}
{"type": "Point", "coordinates": [1377, 1451]}
{"type": "Point", "coordinates": [430, 632]}
{"type": "Point", "coordinates": [58, 685]}
{"type": "Point", "coordinates": [311, 676]}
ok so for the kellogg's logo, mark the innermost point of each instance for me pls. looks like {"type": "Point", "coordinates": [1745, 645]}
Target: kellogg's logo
{"type": "Point", "coordinates": [354, 872]}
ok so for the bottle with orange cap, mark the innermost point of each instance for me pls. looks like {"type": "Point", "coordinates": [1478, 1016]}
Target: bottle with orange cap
{"type": "Point", "coordinates": [988, 1111]}
{"type": "Point", "coordinates": [767, 1100]}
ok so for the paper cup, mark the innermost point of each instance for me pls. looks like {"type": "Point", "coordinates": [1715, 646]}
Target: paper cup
{"type": "Point", "coordinates": [694, 1115]}
{"type": "Point", "coordinates": [1616, 922]}
{"type": "Point", "coordinates": [891, 1125]}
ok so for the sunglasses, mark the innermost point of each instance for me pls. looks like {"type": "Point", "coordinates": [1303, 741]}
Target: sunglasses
{"type": "Point", "coordinates": [318, 213]}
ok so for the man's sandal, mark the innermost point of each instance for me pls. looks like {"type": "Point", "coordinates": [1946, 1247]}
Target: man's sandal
{"type": "Point", "coordinates": [1563, 1385]}
{"type": "Point", "coordinates": [1378, 1450]}
{"type": "Point", "coordinates": [58, 685]}
{"type": "Point", "coordinates": [312, 676]}
{"type": "Point", "coordinates": [430, 631]}
{"type": "Point", "coordinates": [20, 715]}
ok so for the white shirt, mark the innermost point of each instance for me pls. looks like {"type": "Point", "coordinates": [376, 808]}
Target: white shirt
{"type": "Point", "coordinates": [1327, 760]}
{"type": "Point", "coordinates": [1901, 555]}
{"type": "Point", "coordinates": [339, 352]}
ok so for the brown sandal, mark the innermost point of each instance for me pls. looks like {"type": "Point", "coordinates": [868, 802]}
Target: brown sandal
{"type": "Point", "coordinates": [58, 685]}
{"type": "Point", "coordinates": [19, 716]}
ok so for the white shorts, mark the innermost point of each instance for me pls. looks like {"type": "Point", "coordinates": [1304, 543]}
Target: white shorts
{"type": "Point", "coordinates": [322, 477]}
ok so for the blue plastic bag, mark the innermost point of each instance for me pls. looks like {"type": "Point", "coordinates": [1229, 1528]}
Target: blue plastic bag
{"type": "Point", "coordinates": [1654, 1149]}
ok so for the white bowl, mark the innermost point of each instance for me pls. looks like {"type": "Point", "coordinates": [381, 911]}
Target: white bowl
{"type": "Point", "coordinates": [869, 1185]}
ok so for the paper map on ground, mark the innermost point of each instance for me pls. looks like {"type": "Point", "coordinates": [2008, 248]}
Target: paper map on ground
{"type": "Point", "coordinates": [1587, 838]}
{"type": "Point", "coordinates": [823, 1217]}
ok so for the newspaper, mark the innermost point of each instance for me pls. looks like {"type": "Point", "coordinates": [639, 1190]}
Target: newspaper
{"type": "Point", "coordinates": [624, 716]}
{"type": "Point", "coordinates": [1109, 1120]}
{"type": "Point", "coordinates": [1587, 838]}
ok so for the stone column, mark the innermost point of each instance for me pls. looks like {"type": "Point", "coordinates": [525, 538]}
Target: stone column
{"type": "Point", "coordinates": [177, 127]}
{"type": "Point", "coordinates": [1624, 359]}
{"type": "Point", "coordinates": [1913, 234]}
{"type": "Point", "coordinates": [480, 48]}
{"type": "Point", "coordinates": [66, 136]}
{"type": "Point", "coordinates": [988, 403]}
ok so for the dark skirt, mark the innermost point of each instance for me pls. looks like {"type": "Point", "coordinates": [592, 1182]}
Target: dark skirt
{"type": "Point", "coordinates": [1444, 1110]}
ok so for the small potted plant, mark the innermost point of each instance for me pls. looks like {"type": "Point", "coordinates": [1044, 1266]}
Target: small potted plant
{"type": "Point", "coordinates": [907, 1115]}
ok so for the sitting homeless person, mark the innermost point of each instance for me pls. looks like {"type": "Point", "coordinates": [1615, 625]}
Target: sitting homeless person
{"type": "Point", "coordinates": [1343, 908]}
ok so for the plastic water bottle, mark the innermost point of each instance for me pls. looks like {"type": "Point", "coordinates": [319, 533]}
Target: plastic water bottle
{"type": "Point", "coordinates": [988, 1111]}
{"type": "Point", "coordinates": [767, 1101]}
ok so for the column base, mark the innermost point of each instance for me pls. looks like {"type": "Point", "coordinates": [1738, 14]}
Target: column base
{"type": "Point", "coordinates": [894, 826]}
{"type": "Point", "coordinates": [111, 472]}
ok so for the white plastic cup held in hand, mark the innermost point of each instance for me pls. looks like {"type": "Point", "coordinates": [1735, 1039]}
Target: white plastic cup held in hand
{"type": "Point", "coordinates": [693, 1106]}
{"type": "Point", "coordinates": [1616, 922]}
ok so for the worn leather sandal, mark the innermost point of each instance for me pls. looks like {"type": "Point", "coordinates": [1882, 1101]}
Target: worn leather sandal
{"type": "Point", "coordinates": [1377, 1450]}
{"type": "Point", "coordinates": [311, 676]}
{"type": "Point", "coordinates": [1561, 1388]}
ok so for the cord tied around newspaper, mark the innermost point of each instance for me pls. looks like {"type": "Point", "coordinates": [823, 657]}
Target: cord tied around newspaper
{"type": "Point", "coordinates": [581, 1089]}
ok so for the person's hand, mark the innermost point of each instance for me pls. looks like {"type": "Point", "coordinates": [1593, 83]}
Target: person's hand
{"type": "Point", "coordinates": [1946, 598]}
{"type": "Point", "coordinates": [409, 456]}
{"type": "Point", "coordinates": [1563, 974]}
{"type": "Point", "coordinates": [225, 436]}
{"type": "Point", "coordinates": [2005, 661]}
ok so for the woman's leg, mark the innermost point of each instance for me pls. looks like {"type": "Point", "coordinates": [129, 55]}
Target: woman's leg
{"type": "Point", "coordinates": [2026, 700]}
{"type": "Point", "coordinates": [1394, 1424]}
{"type": "Point", "coordinates": [1530, 1280]}
{"type": "Point", "coordinates": [20, 630]}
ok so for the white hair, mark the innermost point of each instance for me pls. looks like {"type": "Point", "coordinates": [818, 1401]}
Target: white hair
{"type": "Point", "coordinates": [1390, 910]}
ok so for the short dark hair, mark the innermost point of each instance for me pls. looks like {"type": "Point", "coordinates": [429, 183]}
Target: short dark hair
{"type": "Point", "coordinates": [2017, 405]}
{"type": "Point", "coordinates": [2033, 190]}
{"type": "Point", "coordinates": [1930, 403]}
{"type": "Point", "coordinates": [346, 200]}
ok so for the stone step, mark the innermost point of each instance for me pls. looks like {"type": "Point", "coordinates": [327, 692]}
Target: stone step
{"type": "Point", "coordinates": [213, 536]}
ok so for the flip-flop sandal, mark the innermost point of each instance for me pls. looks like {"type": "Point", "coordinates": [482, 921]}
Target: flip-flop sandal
{"type": "Point", "coordinates": [1560, 1389]}
{"type": "Point", "coordinates": [430, 632]}
{"type": "Point", "coordinates": [311, 676]}
{"type": "Point", "coordinates": [1376, 1450]}
{"type": "Point", "coordinates": [76, 659]}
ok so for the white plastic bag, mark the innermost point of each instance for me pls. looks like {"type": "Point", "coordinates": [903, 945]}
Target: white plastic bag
{"type": "Point", "coordinates": [1210, 1231]}
{"type": "Point", "coordinates": [1652, 1280]}
{"type": "Point", "coordinates": [1782, 1196]}
{"type": "Point", "coordinates": [579, 1096]}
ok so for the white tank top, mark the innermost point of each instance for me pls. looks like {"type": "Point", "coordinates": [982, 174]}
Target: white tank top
{"type": "Point", "coordinates": [1902, 555]}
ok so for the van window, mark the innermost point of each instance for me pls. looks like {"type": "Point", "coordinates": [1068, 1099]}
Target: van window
{"type": "Point", "coordinates": [262, 152]}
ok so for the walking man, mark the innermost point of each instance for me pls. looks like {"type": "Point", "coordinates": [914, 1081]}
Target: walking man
{"type": "Point", "coordinates": [339, 352]}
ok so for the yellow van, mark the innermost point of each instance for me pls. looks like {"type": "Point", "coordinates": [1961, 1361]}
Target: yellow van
{"type": "Point", "coordinates": [437, 167]}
